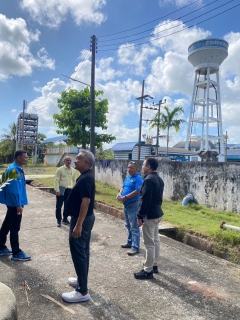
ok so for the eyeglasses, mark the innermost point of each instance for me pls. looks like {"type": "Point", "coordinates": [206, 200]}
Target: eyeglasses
{"type": "Point", "coordinates": [132, 162]}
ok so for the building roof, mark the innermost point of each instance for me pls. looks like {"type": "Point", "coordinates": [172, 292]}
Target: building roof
{"type": "Point", "coordinates": [193, 144]}
{"type": "Point", "coordinates": [176, 151]}
{"type": "Point", "coordinates": [124, 146]}
{"type": "Point", "coordinates": [54, 139]}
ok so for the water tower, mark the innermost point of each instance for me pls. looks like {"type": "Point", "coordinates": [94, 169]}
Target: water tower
{"type": "Point", "coordinates": [205, 119]}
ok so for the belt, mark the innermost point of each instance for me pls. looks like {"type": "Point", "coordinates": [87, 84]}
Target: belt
{"type": "Point", "coordinates": [129, 203]}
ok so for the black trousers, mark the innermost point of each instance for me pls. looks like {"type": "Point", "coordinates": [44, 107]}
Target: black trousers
{"type": "Point", "coordinates": [80, 251]}
{"type": "Point", "coordinates": [60, 200]}
{"type": "Point", "coordinates": [12, 223]}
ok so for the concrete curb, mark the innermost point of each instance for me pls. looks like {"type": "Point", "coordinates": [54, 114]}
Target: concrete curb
{"type": "Point", "coordinates": [109, 210]}
{"type": "Point", "coordinates": [8, 306]}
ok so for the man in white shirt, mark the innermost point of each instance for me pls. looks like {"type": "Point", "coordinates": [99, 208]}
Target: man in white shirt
{"type": "Point", "coordinates": [65, 179]}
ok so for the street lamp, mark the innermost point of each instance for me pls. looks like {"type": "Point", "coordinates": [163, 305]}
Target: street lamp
{"type": "Point", "coordinates": [92, 114]}
{"type": "Point", "coordinates": [76, 80]}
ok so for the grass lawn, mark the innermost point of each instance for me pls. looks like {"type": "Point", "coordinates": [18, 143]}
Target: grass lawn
{"type": "Point", "coordinates": [193, 218]}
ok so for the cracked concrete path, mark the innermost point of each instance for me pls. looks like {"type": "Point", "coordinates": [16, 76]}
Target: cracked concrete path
{"type": "Point", "coordinates": [191, 284]}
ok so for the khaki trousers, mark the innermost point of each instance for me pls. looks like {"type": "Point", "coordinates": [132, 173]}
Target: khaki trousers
{"type": "Point", "coordinates": [151, 241]}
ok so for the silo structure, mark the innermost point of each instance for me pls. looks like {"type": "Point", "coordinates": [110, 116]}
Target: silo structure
{"type": "Point", "coordinates": [205, 119]}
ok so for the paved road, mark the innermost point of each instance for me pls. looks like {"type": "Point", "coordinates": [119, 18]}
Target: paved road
{"type": "Point", "coordinates": [191, 285]}
{"type": "Point", "coordinates": [34, 176]}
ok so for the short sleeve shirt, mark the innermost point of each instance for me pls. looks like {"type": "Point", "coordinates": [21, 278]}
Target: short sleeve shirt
{"type": "Point", "coordinates": [84, 188]}
{"type": "Point", "coordinates": [132, 183]}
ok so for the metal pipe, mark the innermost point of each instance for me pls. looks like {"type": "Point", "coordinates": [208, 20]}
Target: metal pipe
{"type": "Point", "coordinates": [223, 225]}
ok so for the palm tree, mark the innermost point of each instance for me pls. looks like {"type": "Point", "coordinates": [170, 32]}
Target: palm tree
{"type": "Point", "coordinates": [9, 140]}
{"type": "Point", "coordinates": [167, 120]}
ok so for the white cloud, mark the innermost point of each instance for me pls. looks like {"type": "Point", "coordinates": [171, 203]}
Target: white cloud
{"type": "Point", "coordinates": [135, 58]}
{"type": "Point", "coordinates": [53, 12]}
{"type": "Point", "coordinates": [231, 66]}
{"type": "Point", "coordinates": [105, 72]}
{"type": "Point", "coordinates": [171, 40]}
{"type": "Point", "coordinates": [170, 75]}
{"type": "Point", "coordinates": [178, 3]}
{"type": "Point", "coordinates": [15, 56]}
{"type": "Point", "coordinates": [46, 105]}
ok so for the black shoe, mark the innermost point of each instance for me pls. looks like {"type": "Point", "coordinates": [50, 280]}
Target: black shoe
{"type": "Point", "coordinates": [59, 223]}
{"type": "Point", "coordinates": [143, 275]}
{"type": "Point", "coordinates": [65, 221]}
{"type": "Point", "coordinates": [155, 269]}
{"type": "Point", "coordinates": [126, 245]}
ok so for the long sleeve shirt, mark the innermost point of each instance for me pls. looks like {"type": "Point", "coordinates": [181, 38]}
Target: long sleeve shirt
{"type": "Point", "coordinates": [151, 195]}
{"type": "Point", "coordinates": [65, 177]}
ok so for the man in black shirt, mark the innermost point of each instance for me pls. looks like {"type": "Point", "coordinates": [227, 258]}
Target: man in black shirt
{"type": "Point", "coordinates": [79, 206]}
{"type": "Point", "coordinates": [149, 216]}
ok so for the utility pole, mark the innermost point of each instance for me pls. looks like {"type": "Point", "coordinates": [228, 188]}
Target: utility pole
{"type": "Point", "coordinates": [93, 48]}
{"type": "Point", "coordinates": [140, 122]}
{"type": "Point", "coordinates": [24, 107]}
{"type": "Point", "coordinates": [159, 105]}
{"type": "Point", "coordinates": [226, 147]}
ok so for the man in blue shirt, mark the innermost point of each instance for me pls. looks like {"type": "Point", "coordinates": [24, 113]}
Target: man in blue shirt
{"type": "Point", "coordinates": [129, 196]}
{"type": "Point", "coordinates": [14, 196]}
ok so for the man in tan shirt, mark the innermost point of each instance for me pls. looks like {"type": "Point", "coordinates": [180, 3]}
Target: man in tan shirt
{"type": "Point", "coordinates": [65, 179]}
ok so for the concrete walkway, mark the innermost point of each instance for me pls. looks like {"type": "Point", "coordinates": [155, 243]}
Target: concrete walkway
{"type": "Point", "coordinates": [191, 284]}
{"type": "Point", "coordinates": [34, 176]}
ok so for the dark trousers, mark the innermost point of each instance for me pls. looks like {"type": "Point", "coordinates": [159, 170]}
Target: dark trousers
{"type": "Point", "coordinates": [80, 251]}
{"type": "Point", "coordinates": [60, 200]}
{"type": "Point", "coordinates": [12, 223]}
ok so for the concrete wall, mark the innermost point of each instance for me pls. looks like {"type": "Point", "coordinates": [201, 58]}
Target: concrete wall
{"type": "Point", "coordinates": [57, 159]}
{"type": "Point", "coordinates": [215, 185]}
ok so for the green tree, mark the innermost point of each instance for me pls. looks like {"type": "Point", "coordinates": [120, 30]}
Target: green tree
{"type": "Point", "coordinates": [8, 142]}
{"type": "Point", "coordinates": [41, 137]}
{"type": "Point", "coordinates": [167, 120]}
{"type": "Point", "coordinates": [104, 154]}
{"type": "Point", "coordinates": [74, 117]}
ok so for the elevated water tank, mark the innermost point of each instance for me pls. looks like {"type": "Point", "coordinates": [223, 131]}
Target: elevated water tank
{"type": "Point", "coordinates": [205, 119]}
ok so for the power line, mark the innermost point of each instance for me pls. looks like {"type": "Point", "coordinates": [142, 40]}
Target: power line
{"type": "Point", "coordinates": [152, 40]}
{"type": "Point", "coordinates": [163, 17]}
{"type": "Point", "coordinates": [187, 14]}
{"type": "Point", "coordinates": [203, 14]}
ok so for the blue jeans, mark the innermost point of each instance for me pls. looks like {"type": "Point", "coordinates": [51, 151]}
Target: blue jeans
{"type": "Point", "coordinates": [79, 248]}
{"type": "Point", "coordinates": [130, 216]}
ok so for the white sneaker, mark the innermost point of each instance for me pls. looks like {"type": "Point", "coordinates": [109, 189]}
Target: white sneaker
{"type": "Point", "coordinates": [72, 282]}
{"type": "Point", "coordinates": [75, 296]}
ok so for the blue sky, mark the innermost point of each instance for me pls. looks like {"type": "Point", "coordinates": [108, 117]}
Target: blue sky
{"type": "Point", "coordinates": [40, 42]}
